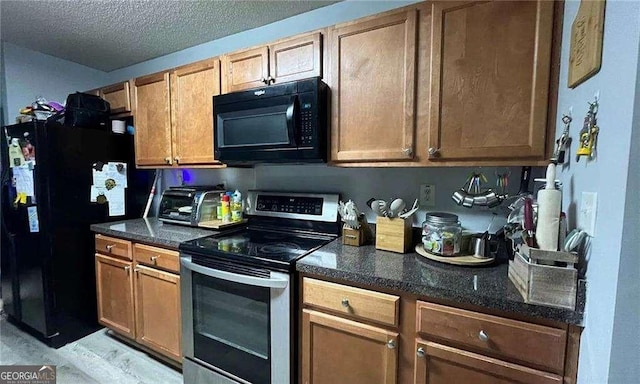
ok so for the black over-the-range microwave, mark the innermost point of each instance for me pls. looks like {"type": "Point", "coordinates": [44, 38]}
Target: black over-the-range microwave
{"type": "Point", "coordinates": [273, 124]}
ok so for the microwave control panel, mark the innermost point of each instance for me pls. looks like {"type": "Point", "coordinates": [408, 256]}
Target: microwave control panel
{"type": "Point", "coordinates": [306, 125]}
{"type": "Point", "coordinates": [290, 204]}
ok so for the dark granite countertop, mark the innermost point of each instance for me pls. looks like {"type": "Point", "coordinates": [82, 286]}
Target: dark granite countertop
{"type": "Point", "coordinates": [151, 231]}
{"type": "Point", "coordinates": [487, 287]}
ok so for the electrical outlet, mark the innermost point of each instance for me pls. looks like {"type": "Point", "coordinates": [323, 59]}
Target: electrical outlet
{"type": "Point", "coordinates": [587, 213]}
{"type": "Point", "coordinates": [427, 195]}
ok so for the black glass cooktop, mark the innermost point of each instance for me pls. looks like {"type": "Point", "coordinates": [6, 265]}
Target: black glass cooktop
{"type": "Point", "coordinates": [251, 246]}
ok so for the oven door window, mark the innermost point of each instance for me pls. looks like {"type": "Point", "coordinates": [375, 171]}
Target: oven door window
{"type": "Point", "coordinates": [231, 327]}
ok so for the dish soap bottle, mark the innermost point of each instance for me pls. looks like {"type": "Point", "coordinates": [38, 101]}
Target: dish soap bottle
{"type": "Point", "coordinates": [549, 204]}
{"type": "Point", "coordinates": [236, 206]}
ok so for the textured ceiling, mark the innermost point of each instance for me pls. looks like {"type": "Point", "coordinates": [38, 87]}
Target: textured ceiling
{"type": "Point", "coordinates": [108, 35]}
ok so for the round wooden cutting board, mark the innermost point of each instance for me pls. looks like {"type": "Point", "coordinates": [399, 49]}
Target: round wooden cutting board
{"type": "Point", "coordinates": [466, 260]}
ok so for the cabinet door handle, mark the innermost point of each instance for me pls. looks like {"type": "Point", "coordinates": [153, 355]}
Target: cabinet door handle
{"type": "Point", "coordinates": [483, 336]}
{"type": "Point", "coordinates": [177, 159]}
{"type": "Point", "coordinates": [127, 269]}
{"type": "Point", "coordinates": [154, 259]}
{"type": "Point", "coordinates": [345, 303]}
{"type": "Point", "coordinates": [420, 352]}
{"type": "Point", "coordinates": [407, 151]}
{"type": "Point", "coordinates": [109, 247]}
{"type": "Point", "coordinates": [264, 80]}
{"type": "Point", "coordinates": [391, 344]}
{"type": "Point", "coordinates": [433, 152]}
{"type": "Point", "coordinates": [168, 160]}
{"type": "Point", "coordinates": [271, 80]}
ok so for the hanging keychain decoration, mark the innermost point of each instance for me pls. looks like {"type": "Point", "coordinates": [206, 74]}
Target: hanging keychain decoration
{"type": "Point", "coordinates": [563, 142]}
{"type": "Point", "coordinates": [589, 133]}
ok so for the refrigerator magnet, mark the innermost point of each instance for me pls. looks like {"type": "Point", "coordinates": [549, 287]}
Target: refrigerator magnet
{"type": "Point", "coordinates": [16, 158]}
{"type": "Point", "coordinates": [34, 225]}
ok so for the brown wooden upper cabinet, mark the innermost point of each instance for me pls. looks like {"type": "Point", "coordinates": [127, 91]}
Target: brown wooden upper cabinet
{"type": "Point", "coordinates": [490, 79]}
{"type": "Point", "coordinates": [118, 96]}
{"type": "Point", "coordinates": [153, 120]}
{"type": "Point", "coordinates": [372, 76]}
{"type": "Point", "coordinates": [285, 60]}
{"type": "Point", "coordinates": [174, 115]}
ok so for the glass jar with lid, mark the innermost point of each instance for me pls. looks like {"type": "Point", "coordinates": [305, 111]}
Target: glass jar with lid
{"type": "Point", "coordinates": [442, 234]}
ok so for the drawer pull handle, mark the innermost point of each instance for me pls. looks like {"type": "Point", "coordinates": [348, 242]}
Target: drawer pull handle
{"type": "Point", "coordinates": [109, 247]}
{"type": "Point", "coordinates": [483, 336]}
{"type": "Point", "coordinates": [420, 352]}
{"type": "Point", "coordinates": [391, 344]}
{"type": "Point", "coordinates": [345, 303]}
{"type": "Point", "coordinates": [154, 259]}
{"type": "Point", "coordinates": [127, 269]}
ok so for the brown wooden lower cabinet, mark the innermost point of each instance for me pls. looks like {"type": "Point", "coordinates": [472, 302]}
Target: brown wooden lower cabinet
{"type": "Point", "coordinates": [337, 350]}
{"type": "Point", "coordinates": [139, 302]}
{"type": "Point", "coordinates": [157, 304]}
{"type": "Point", "coordinates": [428, 344]}
{"type": "Point", "coordinates": [114, 280]}
{"type": "Point", "coordinates": [441, 364]}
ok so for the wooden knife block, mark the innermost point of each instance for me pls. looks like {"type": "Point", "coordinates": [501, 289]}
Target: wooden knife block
{"type": "Point", "coordinates": [357, 237]}
{"type": "Point", "coordinates": [394, 234]}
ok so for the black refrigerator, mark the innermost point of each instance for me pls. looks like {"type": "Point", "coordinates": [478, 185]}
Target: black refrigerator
{"type": "Point", "coordinates": [47, 257]}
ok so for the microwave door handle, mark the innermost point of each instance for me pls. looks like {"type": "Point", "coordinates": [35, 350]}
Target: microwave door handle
{"type": "Point", "coordinates": [292, 113]}
{"type": "Point", "coordinates": [272, 282]}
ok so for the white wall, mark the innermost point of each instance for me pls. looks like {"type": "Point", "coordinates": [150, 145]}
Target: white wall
{"type": "Point", "coordinates": [318, 18]}
{"type": "Point", "coordinates": [28, 74]}
{"type": "Point", "coordinates": [607, 176]}
{"type": "Point", "coordinates": [360, 184]}
{"type": "Point", "coordinates": [625, 348]}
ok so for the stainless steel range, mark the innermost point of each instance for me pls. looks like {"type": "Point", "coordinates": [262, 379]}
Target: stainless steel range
{"type": "Point", "coordinates": [238, 292]}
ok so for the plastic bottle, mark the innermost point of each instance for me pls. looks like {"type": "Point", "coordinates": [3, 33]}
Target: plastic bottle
{"type": "Point", "coordinates": [219, 208]}
{"type": "Point", "coordinates": [236, 206]}
{"type": "Point", "coordinates": [226, 212]}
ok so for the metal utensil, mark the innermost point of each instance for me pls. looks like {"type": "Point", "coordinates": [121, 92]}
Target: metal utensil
{"type": "Point", "coordinates": [409, 213]}
{"type": "Point", "coordinates": [396, 207]}
{"type": "Point", "coordinates": [379, 207]}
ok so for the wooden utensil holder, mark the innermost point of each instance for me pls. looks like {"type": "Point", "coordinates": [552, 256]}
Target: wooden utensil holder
{"type": "Point", "coordinates": [545, 284]}
{"type": "Point", "coordinates": [357, 237]}
{"type": "Point", "coordinates": [394, 234]}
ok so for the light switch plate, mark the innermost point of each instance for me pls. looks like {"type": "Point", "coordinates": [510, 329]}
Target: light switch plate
{"type": "Point", "coordinates": [587, 212]}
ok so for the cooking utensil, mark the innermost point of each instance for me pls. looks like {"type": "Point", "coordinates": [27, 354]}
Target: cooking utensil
{"type": "Point", "coordinates": [414, 209]}
{"type": "Point", "coordinates": [379, 207]}
{"type": "Point", "coordinates": [396, 207]}
{"type": "Point", "coordinates": [528, 220]}
{"type": "Point", "coordinates": [525, 178]}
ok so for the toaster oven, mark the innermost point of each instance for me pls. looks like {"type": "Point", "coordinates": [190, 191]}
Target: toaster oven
{"type": "Point", "coordinates": [189, 205]}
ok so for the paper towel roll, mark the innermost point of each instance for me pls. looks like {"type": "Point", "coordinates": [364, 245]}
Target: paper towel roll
{"type": "Point", "coordinates": [118, 126]}
{"type": "Point", "coordinates": [549, 206]}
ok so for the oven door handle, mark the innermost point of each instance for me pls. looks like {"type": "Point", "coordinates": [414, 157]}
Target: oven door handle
{"type": "Point", "coordinates": [273, 282]}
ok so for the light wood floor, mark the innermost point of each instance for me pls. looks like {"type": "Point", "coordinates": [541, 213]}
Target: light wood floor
{"type": "Point", "coordinates": [97, 358]}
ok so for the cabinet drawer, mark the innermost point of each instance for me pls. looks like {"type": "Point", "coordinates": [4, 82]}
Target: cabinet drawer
{"type": "Point", "coordinates": [535, 344]}
{"type": "Point", "coordinates": [157, 257]}
{"type": "Point", "coordinates": [113, 247]}
{"type": "Point", "coordinates": [361, 303]}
